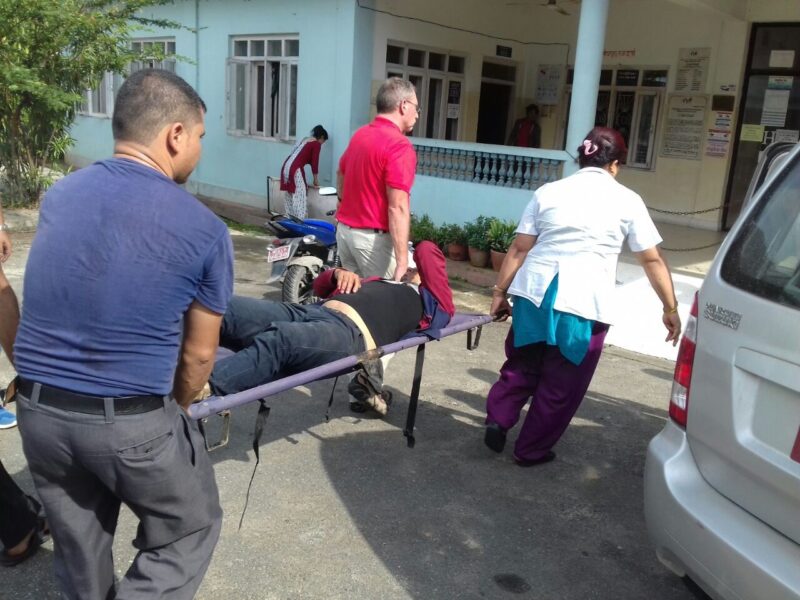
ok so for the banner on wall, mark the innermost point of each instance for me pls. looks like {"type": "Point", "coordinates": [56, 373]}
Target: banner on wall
{"type": "Point", "coordinates": [685, 127]}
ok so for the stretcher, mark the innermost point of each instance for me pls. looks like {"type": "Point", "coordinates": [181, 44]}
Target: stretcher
{"type": "Point", "coordinates": [221, 405]}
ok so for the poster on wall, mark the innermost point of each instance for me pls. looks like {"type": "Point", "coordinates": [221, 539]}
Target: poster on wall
{"type": "Point", "coordinates": [723, 119]}
{"type": "Point", "coordinates": [786, 135]}
{"type": "Point", "coordinates": [776, 101]}
{"type": "Point", "coordinates": [454, 100]}
{"type": "Point", "coordinates": [752, 133]}
{"type": "Point", "coordinates": [548, 84]}
{"type": "Point", "coordinates": [685, 127]}
{"type": "Point", "coordinates": [718, 137]}
{"type": "Point", "coordinates": [718, 143]}
{"type": "Point", "coordinates": [692, 69]}
{"type": "Point", "coordinates": [781, 59]}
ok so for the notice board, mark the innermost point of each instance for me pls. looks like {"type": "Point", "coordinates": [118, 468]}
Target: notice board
{"type": "Point", "coordinates": [684, 132]}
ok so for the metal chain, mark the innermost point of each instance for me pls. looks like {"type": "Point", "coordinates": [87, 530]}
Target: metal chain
{"type": "Point", "coordinates": [692, 249]}
{"type": "Point", "coordinates": [689, 212]}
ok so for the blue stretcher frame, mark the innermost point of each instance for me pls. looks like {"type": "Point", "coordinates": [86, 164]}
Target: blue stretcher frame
{"type": "Point", "coordinates": [471, 323]}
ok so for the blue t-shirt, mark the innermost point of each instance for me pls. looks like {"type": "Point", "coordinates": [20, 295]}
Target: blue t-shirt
{"type": "Point", "coordinates": [120, 253]}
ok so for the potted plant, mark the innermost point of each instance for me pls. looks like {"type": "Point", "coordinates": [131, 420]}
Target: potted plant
{"type": "Point", "coordinates": [501, 235]}
{"type": "Point", "coordinates": [478, 241]}
{"type": "Point", "coordinates": [423, 228]}
{"type": "Point", "coordinates": [454, 240]}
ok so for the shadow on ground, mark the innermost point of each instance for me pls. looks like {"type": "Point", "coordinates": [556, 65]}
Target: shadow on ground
{"type": "Point", "coordinates": [344, 509]}
{"type": "Point", "coordinates": [450, 519]}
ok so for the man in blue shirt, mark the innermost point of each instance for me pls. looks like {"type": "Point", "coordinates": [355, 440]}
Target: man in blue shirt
{"type": "Point", "coordinates": [126, 283]}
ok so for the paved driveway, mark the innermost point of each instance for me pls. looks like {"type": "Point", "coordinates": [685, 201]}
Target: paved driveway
{"type": "Point", "coordinates": [344, 510]}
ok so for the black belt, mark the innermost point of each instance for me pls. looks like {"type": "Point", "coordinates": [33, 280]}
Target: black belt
{"type": "Point", "coordinates": [372, 229]}
{"type": "Point", "coordinates": [89, 405]}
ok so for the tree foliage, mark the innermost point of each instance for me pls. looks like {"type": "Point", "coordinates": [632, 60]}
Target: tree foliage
{"type": "Point", "coordinates": [51, 51]}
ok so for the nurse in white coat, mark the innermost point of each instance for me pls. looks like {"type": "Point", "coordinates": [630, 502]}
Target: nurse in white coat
{"type": "Point", "coordinates": [560, 272]}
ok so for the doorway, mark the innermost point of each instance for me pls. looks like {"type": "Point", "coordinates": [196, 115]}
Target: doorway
{"type": "Point", "coordinates": [770, 110]}
{"type": "Point", "coordinates": [496, 101]}
{"type": "Point", "coordinates": [493, 110]}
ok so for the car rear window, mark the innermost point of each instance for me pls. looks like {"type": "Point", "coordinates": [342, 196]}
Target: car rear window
{"type": "Point", "coordinates": [764, 259]}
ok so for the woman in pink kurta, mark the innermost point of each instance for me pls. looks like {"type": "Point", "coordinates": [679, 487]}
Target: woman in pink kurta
{"type": "Point", "coordinates": [293, 178]}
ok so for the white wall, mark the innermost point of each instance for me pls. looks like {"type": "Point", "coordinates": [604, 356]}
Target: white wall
{"type": "Point", "coordinates": [659, 30]}
{"type": "Point", "coordinates": [760, 11]}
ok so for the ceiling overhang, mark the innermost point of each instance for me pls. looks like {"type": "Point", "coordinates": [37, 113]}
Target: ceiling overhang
{"type": "Point", "coordinates": [734, 9]}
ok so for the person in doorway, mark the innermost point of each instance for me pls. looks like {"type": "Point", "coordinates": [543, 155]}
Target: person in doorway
{"type": "Point", "coordinates": [526, 132]}
{"type": "Point", "coordinates": [274, 340]}
{"type": "Point", "coordinates": [127, 281]}
{"type": "Point", "coordinates": [560, 273]}
{"type": "Point", "coordinates": [293, 176]}
{"type": "Point", "coordinates": [375, 176]}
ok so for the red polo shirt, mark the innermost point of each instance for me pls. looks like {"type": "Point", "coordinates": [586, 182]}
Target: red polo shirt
{"type": "Point", "coordinates": [378, 155]}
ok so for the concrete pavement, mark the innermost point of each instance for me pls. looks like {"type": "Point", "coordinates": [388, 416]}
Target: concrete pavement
{"type": "Point", "coordinates": [344, 510]}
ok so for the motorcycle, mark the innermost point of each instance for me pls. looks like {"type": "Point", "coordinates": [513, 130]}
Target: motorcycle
{"type": "Point", "coordinates": [302, 249]}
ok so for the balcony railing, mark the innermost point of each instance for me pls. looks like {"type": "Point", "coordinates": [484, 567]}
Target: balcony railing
{"type": "Point", "coordinates": [503, 166]}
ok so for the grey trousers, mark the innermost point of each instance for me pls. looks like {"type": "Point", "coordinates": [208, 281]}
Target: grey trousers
{"type": "Point", "coordinates": [85, 466]}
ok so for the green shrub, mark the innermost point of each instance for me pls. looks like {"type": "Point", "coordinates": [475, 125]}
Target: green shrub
{"type": "Point", "coordinates": [423, 228]}
{"type": "Point", "coordinates": [501, 235]}
{"type": "Point", "coordinates": [477, 232]}
{"type": "Point", "coordinates": [452, 233]}
{"type": "Point", "coordinates": [51, 53]}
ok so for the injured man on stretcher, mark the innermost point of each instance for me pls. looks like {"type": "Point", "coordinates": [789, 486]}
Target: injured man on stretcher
{"type": "Point", "coordinates": [272, 340]}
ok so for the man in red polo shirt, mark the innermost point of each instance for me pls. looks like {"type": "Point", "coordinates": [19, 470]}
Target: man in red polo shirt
{"type": "Point", "coordinates": [375, 176]}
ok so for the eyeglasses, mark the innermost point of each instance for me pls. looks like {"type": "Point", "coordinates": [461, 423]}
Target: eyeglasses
{"type": "Point", "coordinates": [416, 106]}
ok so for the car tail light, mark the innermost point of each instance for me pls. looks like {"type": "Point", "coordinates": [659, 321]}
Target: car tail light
{"type": "Point", "coordinates": [679, 398]}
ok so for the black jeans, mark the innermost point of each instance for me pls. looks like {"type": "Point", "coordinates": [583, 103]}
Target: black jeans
{"type": "Point", "coordinates": [18, 512]}
{"type": "Point", "coordinates": [274, 340]}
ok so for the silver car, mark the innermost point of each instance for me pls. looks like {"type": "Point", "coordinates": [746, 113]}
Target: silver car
{"type": "Point", "coordinates": [722, 480]}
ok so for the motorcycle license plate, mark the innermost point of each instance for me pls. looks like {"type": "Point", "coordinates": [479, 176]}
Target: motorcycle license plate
{"type": "Point", "coordinates": [279, 253]}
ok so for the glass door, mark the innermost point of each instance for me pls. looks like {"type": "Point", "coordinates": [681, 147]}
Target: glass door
{"type": "Point", "coordinates": [770, 107]}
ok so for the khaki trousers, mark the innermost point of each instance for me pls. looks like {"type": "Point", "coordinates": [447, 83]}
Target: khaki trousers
{"type": "Point", "coordinates": [366, 252]}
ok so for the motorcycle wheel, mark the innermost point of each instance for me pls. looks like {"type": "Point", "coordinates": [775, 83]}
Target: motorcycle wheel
{"type": "Point", "coordinates": [297, 288]}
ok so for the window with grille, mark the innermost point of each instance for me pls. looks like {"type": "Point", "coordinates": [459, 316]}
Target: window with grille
{"type": "Point", "coordinates": [629, 100]}
{"type": "Point", "coordinates": [262, 86]}
{"type": "Point", "coordinates": [99, 101]}
{"type": "Point", "coordinates": [438, 77]}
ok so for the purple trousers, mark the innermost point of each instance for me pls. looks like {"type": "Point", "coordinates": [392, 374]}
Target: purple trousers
{"type": "Point", "coordinates": [556, 385]}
